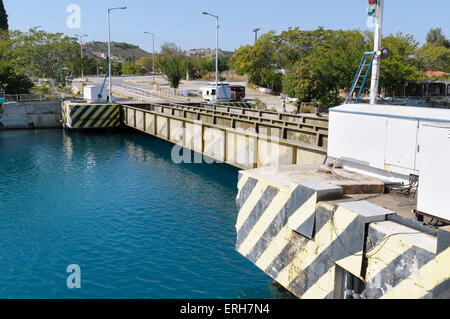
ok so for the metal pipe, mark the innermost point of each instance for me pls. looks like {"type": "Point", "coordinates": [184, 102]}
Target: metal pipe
{"type": "Point", "coordinates": [349, 284]}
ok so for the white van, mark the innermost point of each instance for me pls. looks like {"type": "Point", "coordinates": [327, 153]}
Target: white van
{"type": "Point", "coordinates": [209, 92]}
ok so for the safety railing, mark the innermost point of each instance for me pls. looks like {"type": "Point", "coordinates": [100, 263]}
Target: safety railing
{"type": "Point", "coordinates": [23, 97]}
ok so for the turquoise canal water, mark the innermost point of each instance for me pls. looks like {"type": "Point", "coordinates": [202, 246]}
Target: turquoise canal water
{"type": "Point", "coordinates": [138, 225]}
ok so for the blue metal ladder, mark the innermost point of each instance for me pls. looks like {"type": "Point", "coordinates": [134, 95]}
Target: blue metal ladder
{"type": "Point", "coordinates": [99, 97]}
{"type": "Point", "coordinates": [361, 75]}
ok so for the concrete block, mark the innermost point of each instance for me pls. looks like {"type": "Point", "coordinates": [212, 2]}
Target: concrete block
{"type": "Point", "coordinates": [370, 212]}
{"type": "Point", "coordinates": [324, 190]}
{"type": "Point", "coordinates": [400, 262]}
{"type": "Point", "coordinates": [442, 272]}
{"type": "Point", "coordinates": [443, 239]}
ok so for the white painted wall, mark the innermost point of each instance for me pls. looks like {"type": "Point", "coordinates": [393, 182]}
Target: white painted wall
{"type": "Point", "coordinates": [434, 158]}
{"type": "Point", "coordinates": [383, 137]}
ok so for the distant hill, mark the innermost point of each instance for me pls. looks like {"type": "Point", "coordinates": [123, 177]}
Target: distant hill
{"type": "Point", "coordinates": [124, 52]}
{"type": "Point", "coordinates": [207, 53]}
{"type": "Point", "coordinates": [120, 51]}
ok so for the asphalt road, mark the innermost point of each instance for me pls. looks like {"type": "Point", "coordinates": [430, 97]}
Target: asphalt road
{"type": "Point", "coordinates": [145, 82]}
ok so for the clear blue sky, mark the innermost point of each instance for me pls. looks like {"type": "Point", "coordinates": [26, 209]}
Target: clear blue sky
{"type": "Point", "coordinates": [181, 21]}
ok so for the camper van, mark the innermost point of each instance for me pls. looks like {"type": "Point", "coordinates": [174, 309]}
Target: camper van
{"type": "Point", "coordinates": [209, 92]}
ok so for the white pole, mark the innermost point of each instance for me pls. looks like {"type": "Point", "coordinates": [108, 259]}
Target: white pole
{"type": "Point", "coordinates": [109, 57]}
{"type": "Point", "coordinates": [377, 45]}
{"type": "Point", "coordinates": [217, 58]}
{"type": "Point", "coordinates": [153, 67]}
{"type": "Point", "coordinates": [217, 52]}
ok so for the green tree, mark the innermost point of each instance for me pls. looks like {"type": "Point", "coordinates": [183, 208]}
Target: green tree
{"type": "Point", "coordinates": [174, 69]}
{"type": "Point", "coordinates": [170, 49]}
{"type": "Point", "coordinates": [172, 63]}
{"type": "Point", "coordinates": [435, 37]}
{"type": "Point", "coordinates": [3, 17]}
{"type": "Point", "coordinates": [259, 62]}
{"type": "Point", "coordinates": [47, 55]}
{"type": "Point", "coordinates": [12, 82]}
{"type": "Point", "coordinates": [12, 79]}
{"type": "Point", "coordinates": [145, 65]}
{"type": "Point", "coordinates": [209, 64]}
{"type": "Point", "coordinates": [402, 64]}
{"type": "Point", "coordinates": [116, 68]}
{"type": "Point", "coordinates": [327, 68]}
{"type": "Point", "coordinates": [129, 68]}
{"type": "Point", "coordinates": [434, 58]}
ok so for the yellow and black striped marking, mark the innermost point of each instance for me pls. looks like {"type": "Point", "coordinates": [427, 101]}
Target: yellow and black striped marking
{"type": "Point", "coordinates": [88, 116]}
{"type": "Point", "coordinates": [268, 214]}
{"type": "Point", "coordinates": [404, 263]}
{"type": "Point", "coordinates": [237, 104]}
{"type": "Point", "coordinates": [299, 242]}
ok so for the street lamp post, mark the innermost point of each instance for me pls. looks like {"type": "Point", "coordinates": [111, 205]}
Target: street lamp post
{"type": "Point", "coordinates": [217, 51]}
{"type": "Point", "coordinates": [81, 50]}
{"type": "Point", "coordinates": [109, 49]}
{"type": "Point", "coordinates": [153, 66]}
{"type": "Point", "coordinates": [256, 34]}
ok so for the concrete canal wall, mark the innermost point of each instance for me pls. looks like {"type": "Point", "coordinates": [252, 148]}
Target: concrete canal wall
{"type": "Point", "coordinates": [312, 238]}
{"type": "Point", "coordinates": [33, 114]}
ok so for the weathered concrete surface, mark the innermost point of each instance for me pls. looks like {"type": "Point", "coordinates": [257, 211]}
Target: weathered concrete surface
{"type": "Point", "coordinates": [400, 262]}
{"type": "Point", "coordinates": [300, 237]}
{"type": "Point", "coordinates": [38, 114]}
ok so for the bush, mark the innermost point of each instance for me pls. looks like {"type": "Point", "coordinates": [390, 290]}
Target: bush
{"type": "Point", "coordinates": [14, 83]}
{"type": "Point", "coordinates": [259, 105]}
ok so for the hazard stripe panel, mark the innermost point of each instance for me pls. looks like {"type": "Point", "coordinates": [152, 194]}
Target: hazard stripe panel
{"type": "Point", "coordinates": [296, 237]}
{"type": "Point", "coordinates": [88, 116]}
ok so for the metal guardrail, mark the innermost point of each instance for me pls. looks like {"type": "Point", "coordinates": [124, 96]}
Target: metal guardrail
{"type": "Point", "coordinates": [252, 141]}
{"type": "Point", "coordinates": [312, 135]}
{"type": "Point", "coordinates": [283, 119]}
{"type": "Point", "coordinates": [152, 90]}
{"type": "Point", "coordinates": [300, 121]}
{"type": "Point", "coordinates": [23, 97]}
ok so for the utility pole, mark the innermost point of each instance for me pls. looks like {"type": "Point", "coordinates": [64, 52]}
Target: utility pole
{"type": "Point", "coordinates": [81, 49]}
{"type": "Point", "coordinates": [378, 6]}
{"type": "Point", "coordinates": [256, 33]}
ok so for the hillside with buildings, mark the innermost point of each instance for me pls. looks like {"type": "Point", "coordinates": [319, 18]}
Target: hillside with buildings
{"type": "Point", "coordinates": [120, 51]}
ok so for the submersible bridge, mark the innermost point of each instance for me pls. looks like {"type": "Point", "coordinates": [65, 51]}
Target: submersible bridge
{"type": "Point", "coordinates": [319, 222]}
